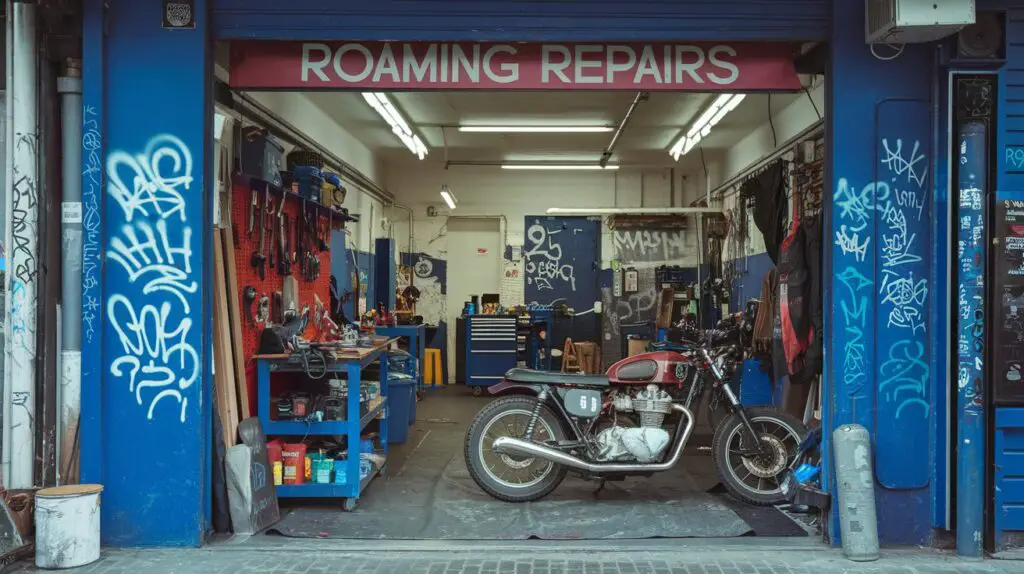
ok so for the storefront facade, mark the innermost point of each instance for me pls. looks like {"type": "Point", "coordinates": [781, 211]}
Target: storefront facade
{"type": "Point", "coordinates": [146, 373]}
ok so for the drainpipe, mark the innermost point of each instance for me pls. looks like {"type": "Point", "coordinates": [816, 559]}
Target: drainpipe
{"type": "Point", "coordinates": [410, 212]}
{"type": "Point", "coordinates": [21, 238]}
{"type": "Point", "coordinates": [69, 86]}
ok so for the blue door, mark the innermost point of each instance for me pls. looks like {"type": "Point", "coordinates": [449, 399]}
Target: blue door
{"type": "Point", "coordinates": [562, 257]}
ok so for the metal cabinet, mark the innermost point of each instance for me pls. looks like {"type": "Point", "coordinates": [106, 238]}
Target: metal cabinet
{"type": "Point", "coordinates": [490, 349]}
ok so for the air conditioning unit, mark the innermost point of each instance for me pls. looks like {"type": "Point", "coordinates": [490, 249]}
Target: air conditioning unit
{"type": "Point", "coordinates": [915, 21]}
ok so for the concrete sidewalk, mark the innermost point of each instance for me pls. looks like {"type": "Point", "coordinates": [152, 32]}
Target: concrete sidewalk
{"type": "Point", "coordinates": [761, 556]}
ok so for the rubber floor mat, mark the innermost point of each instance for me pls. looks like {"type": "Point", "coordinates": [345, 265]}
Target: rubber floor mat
{"type": "Point", "coordinates": [447, 504]}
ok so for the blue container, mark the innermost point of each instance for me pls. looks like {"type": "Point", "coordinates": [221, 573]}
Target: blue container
{"type": "Point", "coordinates": [401, 397]}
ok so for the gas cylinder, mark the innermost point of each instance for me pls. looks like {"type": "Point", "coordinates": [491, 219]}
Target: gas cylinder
{"type": "Point", "coordinates": [856, 488]}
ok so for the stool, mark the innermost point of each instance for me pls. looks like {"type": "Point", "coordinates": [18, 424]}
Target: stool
{"type": "Point", "coordinates": [432, 368]}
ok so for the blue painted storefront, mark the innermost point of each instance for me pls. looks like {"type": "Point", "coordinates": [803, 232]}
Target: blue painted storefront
{"type": "Point", "coordinates": [146, 389]}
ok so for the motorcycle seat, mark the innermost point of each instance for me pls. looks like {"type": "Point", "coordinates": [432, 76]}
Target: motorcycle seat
{"type": "Point", "coordinates": [532, 377]}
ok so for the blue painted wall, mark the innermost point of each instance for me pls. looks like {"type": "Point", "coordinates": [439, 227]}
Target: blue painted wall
{"type": "Point", "coordinates": [504, 20]}
{"type": "Point", "coordinates": [93, 64]}
{"type": "Point", "coordinates": [154, 377]}
{"type": "Point", "coordinates": [879, 363]}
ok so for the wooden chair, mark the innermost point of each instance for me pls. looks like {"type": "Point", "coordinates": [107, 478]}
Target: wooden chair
{"type": "Point", "coordinates": [570, 360]}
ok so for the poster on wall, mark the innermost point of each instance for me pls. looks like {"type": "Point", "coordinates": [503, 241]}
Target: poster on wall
{"type": "Point", "coordinates": [1008, 322]}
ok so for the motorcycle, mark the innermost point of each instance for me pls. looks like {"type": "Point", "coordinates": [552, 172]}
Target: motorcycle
{"type": "Point", "coordinates": [635, 420]}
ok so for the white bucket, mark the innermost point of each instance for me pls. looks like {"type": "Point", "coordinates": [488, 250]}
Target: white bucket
{"type": "Point", "coordinates": [68, 526]}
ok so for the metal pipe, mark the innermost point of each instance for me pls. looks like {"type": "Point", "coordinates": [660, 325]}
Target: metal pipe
{"type": "Point", "coordinates": [69, 86]}
{"type": "Point", "coordinates": [5, 438]}
{"type": "Point", "coordinates": [298, 138]}
{"type": "Point", "coordinates": [631, 210]}
{"type": "Point", "coordinates": [22, 242]}
{"type": "Point", "coordinates": [637, 99]}
{"type": "Point", "coordinates": [519, 447]}
{"type": "Point", "coordinates": [408, 210]}
{"type": "Point", "coordinates": [672, 187]}
{"type": "Point", "coordinates": [786, 147]}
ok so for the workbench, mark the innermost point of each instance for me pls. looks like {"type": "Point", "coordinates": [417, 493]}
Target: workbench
{"type": "Point", "coordinates": [351, 362]}
{"type": "Point", "coordinates": [417, 335]}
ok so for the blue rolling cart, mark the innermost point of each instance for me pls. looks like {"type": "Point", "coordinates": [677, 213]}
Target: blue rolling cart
{"type": "Point", "coordinates": [417, 335]}
{"type": "Point", "coordinates": [350, 362]}
{"type": "Point", "coordinates": [491, 349]}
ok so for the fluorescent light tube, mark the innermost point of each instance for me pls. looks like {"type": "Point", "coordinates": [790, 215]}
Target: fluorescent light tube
{"type": "Point", "coordinates": [382, 105]}
{"type": "Point", "coordinates": [555, 166]}
{"type": "Point", "coordinates": [700, 128]}
{"type": "Point", "coordinates": [538, 129]}
{"type": "Point", "coordinates": [448, 196]}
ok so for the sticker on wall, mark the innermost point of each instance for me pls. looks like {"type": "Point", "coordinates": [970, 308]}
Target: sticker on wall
{"type": "Point", "coordinates": [180, 14]}
{"type": "Point", "coordinates": [481, 251]}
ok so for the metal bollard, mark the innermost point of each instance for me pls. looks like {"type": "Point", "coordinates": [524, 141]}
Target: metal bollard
{"type": "Point", "coordinates": [856, 489]}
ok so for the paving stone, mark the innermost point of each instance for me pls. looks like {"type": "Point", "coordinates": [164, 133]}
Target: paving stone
{"type": "Point", "coordinates": [723, 561]}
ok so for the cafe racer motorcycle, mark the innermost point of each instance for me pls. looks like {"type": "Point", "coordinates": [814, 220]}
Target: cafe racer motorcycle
{"type": "Point", "coordinates": [635, 420]}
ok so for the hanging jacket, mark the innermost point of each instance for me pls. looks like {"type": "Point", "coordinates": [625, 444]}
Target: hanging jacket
{"type": "Point", "coordinates": [795, 299]}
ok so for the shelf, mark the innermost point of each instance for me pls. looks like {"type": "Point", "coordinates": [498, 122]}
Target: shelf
{"type": "Point", "coordinates": [248, 180]}
{"type": "Point", "coordinates": [334, 428]}
{"type": "Point", "coordinates": [317, 490]}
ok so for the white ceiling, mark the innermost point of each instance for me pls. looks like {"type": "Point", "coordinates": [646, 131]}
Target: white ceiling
{"type": "Point", "coordinates": [654, 127]}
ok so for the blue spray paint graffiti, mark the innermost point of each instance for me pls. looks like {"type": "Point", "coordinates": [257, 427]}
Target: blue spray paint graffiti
{"type": "Point", "coordinates": [971, 337]}
{"type": "Point", "coordinates": [903, 377]}
{"type": "Point", "coordinates": [887, 278]}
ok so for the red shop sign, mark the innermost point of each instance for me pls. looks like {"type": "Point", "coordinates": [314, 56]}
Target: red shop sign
{"type": "Point", "coordinates": [701, 67]}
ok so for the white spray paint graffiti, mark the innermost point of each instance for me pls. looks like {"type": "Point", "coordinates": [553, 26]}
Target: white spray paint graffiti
{"type": "Point", "coordinates": [153, 247]}
{"type": "Point", "coordinates": [544, 264]}
{"type": "Point", "coordinates": [640, 245]}
{"type": "Point", "coordinates": [899, 288]}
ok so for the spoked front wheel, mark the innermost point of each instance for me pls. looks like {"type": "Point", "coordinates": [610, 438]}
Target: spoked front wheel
{"type": "Point", "coordinates": [757, 479]}
{"type": "Point", "coordinates": [507, 477]}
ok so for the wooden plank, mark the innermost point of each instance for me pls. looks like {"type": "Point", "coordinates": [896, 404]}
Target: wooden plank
{"type": "Point", "coordinates": [224, 378]}
{"type": "Point", "coordinates": [236, 318]}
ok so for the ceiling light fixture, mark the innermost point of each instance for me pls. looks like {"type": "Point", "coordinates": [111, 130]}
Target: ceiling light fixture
{"type": "Point", "coordinates": [537, 129]}
{"type": "Point", "coordinates": [556, 166]}
{"type": "Point", "coordinates": [631, 210]}
{"type": "Point", "coordinates": [399, 126]}
{"type": "Point", "coordinates": [700, 129]}
{"type": "Point", "coordinates": [448, 196]}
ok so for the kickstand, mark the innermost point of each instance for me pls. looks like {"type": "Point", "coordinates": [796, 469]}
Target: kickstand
{"type": "Point", "coordinates": [600, 487]}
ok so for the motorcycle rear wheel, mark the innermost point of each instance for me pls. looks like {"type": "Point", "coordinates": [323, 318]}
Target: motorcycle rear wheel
{"type": "Point", "coordinates": [496, 473]}
{"type": "Point", "coordinates": [780, 431]}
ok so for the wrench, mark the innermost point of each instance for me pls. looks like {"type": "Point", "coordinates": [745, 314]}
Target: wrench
{"type": "Point", "coordinates": [248, 296]}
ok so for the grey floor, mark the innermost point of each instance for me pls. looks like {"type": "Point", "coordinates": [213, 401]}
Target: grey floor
{"type": "Point", "coordinates": [427, 493]}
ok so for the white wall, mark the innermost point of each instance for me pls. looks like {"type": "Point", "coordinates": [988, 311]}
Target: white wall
{"type": "Point", "coordinates": [787, 123]}
{"type": "Point", "coordinates": [308, 118]}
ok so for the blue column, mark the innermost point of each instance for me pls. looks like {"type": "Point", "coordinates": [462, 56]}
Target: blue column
{"type": "Point", "coordinates": [90, 434]}
{"type": "Point", "coordinates": [970, 491]}
{"type": "Point", "coordinates": [879, 359]}
{"type": "Point", "coordinates": [155, 366]}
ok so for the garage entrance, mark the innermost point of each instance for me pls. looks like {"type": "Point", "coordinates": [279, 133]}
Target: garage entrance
{"type": "Point", "coordinates": [557, 207]}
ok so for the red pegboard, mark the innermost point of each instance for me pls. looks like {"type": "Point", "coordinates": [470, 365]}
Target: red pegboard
{"type": "Point", "coordinates": [272, 281]}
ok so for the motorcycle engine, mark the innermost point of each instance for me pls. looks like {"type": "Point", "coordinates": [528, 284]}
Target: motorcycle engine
{"type": "Point", "coordinates": [645, 443]}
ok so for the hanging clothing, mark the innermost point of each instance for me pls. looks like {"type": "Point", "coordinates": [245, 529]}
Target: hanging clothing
{"type": "Point", "coordinates": [800, 299]}
{"type": "Point", "coordinates": [769, 192]}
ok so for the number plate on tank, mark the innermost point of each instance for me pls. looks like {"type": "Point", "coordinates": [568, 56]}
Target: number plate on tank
{"type": "Point", "coordinates": [583, 403]}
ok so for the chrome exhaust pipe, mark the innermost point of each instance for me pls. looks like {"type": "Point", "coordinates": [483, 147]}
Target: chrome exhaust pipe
{"type": "Point", "coordinates": [519, 447]}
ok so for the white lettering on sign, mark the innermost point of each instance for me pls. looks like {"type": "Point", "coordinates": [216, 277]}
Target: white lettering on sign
{"type": "Point", "coordinates": [554, 65]}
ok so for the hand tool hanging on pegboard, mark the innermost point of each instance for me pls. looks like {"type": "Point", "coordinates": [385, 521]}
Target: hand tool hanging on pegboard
{"type": "Point", "coordinates": [253, 207]}
{"type": "Point", "coordinates": [271, 212]}
{"type": "Point", "coordinates": [284, 263]}
{"type": "Point", "coordinates": [258, 257]}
